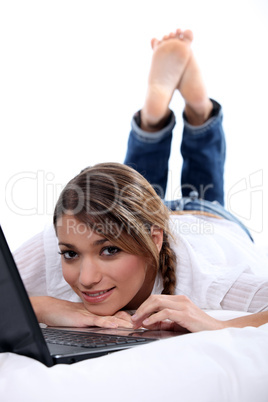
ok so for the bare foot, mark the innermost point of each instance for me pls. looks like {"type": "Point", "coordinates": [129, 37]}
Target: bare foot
{"type": "Point", "coordinates": [198, 106]}
{"type": "Point", "coordinates": [170, 57]}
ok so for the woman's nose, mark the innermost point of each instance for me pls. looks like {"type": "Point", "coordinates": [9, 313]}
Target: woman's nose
{"type": "Point", "coordinates": [90, 272]}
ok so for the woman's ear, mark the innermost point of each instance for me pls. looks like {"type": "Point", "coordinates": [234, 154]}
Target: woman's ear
{"type": "Point", "coordinates": [157, 236]}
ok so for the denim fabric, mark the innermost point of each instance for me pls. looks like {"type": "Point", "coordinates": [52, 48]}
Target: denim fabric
{"type": "Point", "coordinates": [203, 151]}
{"type": "Point", "coordinates": [149, 153]}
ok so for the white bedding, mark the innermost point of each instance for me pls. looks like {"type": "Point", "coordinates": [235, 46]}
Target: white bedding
{"type": "Point", "coordinates": [226, 365]}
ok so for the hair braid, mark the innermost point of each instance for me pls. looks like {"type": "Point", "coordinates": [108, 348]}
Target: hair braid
{"type": "Point", "coordinates": [167, 267]}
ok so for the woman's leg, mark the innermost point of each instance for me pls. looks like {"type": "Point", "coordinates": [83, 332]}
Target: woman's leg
{"type": "Point", "coordinates": [150, 138]}
{"type": "Point", "coordinates": [149, 154]}
{"type": "Point", "coordinates": [203, 151]}
{"type": "Point", "coordinates": [203, 148]}
{"type": "Point", "coordinates": [203, 141]}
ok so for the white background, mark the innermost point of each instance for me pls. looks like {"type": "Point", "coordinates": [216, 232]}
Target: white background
{"type": "Point", "coordinates": [72, 73]}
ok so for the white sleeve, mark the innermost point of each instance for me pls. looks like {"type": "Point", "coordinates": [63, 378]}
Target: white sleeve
{"type": "Point", "coordinates": [30, 260]}
{"type": "Point", "coordinates": [248, 293]}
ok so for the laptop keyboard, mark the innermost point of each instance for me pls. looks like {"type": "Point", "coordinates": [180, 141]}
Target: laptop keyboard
{"type": "Point", "coordinates": [87, 339]}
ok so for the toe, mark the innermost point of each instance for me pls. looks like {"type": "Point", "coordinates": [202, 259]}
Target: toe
{"type": "Point", "coordinates": [188, 35]}
{"type": "Point", "coordinates": [178, 33]}
{"type": "Point", "coordinates": [154, 42]}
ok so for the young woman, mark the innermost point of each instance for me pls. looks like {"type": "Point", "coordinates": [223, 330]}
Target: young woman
{"type": "Point", "coordinates": [122, 249]}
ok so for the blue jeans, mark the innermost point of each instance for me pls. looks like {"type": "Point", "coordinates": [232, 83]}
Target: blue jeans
{"type": "Point", "coordinates": [203, 152]}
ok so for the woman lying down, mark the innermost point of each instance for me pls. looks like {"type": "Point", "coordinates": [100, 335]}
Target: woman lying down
{"type": "Point", "coordinates": [118, 255]}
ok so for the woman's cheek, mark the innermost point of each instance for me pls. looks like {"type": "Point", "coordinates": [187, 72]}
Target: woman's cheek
{"type": "Point", "coordinates": [69, 274]}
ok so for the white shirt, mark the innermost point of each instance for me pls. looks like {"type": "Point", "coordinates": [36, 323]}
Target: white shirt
{"type": "Point", "coordinates": [218, 266]}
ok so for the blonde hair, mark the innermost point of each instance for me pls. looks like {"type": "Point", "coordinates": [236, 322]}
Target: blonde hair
{"type": "Point", "coordinates": [117, 202]}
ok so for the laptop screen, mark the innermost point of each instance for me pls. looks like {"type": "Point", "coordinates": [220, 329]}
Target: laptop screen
{"type": "Point", "coordinates": [19, 329]}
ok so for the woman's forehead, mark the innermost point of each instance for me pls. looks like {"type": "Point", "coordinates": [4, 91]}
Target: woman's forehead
{"type": "Point", "coordinates": [69, 227]}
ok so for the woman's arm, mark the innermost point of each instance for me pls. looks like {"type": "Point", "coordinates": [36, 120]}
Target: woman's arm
{"type": "Point", "coordinates": [63, 313]}
{"type": "Point", "coordinates": [248, 293]}
{"type": "Point", "coordinates": [177, 312]}
{"type": "Point", "coordinates": [252, 320]}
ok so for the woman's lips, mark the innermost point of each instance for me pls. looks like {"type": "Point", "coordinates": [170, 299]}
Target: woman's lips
{"type": "Point", "coordinates": [97, 297]}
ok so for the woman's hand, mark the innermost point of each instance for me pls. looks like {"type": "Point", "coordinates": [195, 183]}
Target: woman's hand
{"type": "Point", "coordinates": [63, 313]}
{"type": "Point", "coordinates": [172, 313]}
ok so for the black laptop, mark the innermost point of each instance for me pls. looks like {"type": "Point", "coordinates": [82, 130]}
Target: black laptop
{"type": "Point", "coordinates": [20, 332]}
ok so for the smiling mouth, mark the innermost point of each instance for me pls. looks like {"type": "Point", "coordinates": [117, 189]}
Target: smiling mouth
{"type": "Point", "coordinates": [97, 294]}
{"type": "Point", "coordinates": [97, 297]}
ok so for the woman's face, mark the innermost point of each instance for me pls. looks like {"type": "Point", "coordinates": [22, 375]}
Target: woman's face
{"type": "Point", "coordinates": [106, 278]}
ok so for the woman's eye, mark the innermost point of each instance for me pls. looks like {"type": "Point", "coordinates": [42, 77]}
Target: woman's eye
{"type": "Point", "coordinates": [68, 255]}
{"type": "Point", "coordinates": [111, 250]}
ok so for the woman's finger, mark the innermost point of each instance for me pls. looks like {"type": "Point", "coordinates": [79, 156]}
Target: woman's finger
{"type": "Point", "coordinates": [178, 309]}
{"type": "Point", "coordinates": [167, 325]}
{"type": "Point", "coordinates": [111, 322]}
{"type": "Point", "coordinates": [157, 303]}
{"type": "Point", "coordinates": [193, 319]}
{"type": "Point", "coordinates": [123, 315]}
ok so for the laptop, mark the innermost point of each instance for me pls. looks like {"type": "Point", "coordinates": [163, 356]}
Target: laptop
{"type": "Point", "coordinates": [21, 333]}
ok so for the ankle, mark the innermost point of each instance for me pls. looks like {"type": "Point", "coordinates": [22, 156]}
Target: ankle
{"type": "Point", "coordinates": [198, 115]}
{"type": "Point", "coordinates": [152, 125]}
